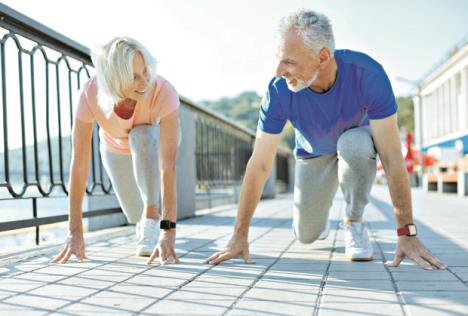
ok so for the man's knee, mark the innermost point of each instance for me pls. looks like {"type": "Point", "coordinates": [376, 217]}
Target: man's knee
{"type": "Point", "coordinates": [306, 235]}
{"type": "Point", "coordinates": [356, 146]}
{"type": "Point", "coordinates": [307, 238]}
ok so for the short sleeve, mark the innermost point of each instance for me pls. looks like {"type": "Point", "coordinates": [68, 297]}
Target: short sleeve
{"type": "Point", "coordinates": [168, 100]}
{"type": "Point", "coordinates": [272, 117]}
{"type": "Point", "coordinates": [83, 111]}
{"type": "Point", "coordinates": [378, 95]}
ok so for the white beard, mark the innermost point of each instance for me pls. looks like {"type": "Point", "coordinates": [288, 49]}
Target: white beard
{"type": "Point", "coordinates": [301, 84]}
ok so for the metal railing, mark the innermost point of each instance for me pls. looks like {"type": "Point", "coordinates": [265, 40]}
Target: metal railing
{"type": "Point", "coordinates": [41, 73]}
{"type": "Point", "coordinates": [222, 149]}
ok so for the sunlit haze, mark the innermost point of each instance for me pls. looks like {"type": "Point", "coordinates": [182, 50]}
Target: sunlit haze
{"type": "Point", "coordinates": [209, 49]}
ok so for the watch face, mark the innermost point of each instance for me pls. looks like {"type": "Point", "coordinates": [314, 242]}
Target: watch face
{"type": "Point", "coordinates": [412, 230]}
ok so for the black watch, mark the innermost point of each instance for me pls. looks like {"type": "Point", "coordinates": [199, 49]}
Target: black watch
{"type": "Point", "coordinates": [166, 224]}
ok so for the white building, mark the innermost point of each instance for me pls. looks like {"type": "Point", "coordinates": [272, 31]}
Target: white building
{"type": "Point", "coordinates": [441, 109]}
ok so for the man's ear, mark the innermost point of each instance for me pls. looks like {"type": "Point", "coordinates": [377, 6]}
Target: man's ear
{"type": "Point", "coordinates": [324, 57]}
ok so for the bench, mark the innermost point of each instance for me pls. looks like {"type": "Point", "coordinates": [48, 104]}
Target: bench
{"type": "Point", "coordinates": [448, 177]}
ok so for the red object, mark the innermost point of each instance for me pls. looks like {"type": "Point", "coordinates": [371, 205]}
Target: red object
{"type": "Point", "coordinates": [409, 158]}
{"type": "Point", "coordinates": [412, 157]}
{"type": "Point", "coordinates": [408, 230]}
{"type": "Point", "coordinates": [403, 231]}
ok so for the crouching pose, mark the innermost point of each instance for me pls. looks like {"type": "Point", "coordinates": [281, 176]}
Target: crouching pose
{"type": "Point", "coordinates": [137, 112]}
{"type": "Point", "coordinates": [341, 105]}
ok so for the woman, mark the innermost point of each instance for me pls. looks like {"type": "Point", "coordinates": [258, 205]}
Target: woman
{"type": "Point", "coordinates": [137, 112]}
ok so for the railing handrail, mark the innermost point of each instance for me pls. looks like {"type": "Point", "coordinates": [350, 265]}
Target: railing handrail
{"type": "Point", "coordinates": [226, 120]}
{"type": "Point", "coordinates": [216, 115]}
{"type": "Point", "coordinates": [222, 146]}
{"type": "Point", "coordinates": [33, 30]}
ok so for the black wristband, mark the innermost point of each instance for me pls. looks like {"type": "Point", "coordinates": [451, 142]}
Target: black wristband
{"type": "Point", "coordinates": [166, 224]}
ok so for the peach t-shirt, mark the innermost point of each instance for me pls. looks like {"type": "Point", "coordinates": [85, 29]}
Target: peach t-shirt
{"type": "Point", "coordinates": [160, 101]}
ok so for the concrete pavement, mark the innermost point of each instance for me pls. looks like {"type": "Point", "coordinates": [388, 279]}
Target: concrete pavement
{"type": "Point", "coordinates": [288, 279]}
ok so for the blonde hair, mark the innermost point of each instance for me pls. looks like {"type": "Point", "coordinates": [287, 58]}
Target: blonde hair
{"type": "Point", "coordinates": [114, 69]}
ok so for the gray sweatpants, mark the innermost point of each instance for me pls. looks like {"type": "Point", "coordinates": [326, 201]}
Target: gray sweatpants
{"type": "Point", "coordinates": [135, 177]}
{"type": "Point", "coordinates": [317, 180]}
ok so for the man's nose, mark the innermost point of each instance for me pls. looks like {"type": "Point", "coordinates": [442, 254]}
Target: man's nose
{"type": "Point", "coordinates": [280, 70]}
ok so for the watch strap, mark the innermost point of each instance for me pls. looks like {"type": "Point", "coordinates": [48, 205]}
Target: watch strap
{"type": "Point", "coordinates": [403, 231]}
{"type": "Point", "coordinates": [407, 230]}
{"type": "Point", "coordinates": [167, 224]}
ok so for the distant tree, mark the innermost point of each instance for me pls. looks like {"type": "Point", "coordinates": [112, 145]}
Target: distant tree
{"type": "Point", "coordinates": [405, 114]}
{"type": "Point", "coordinates": [244, 109]}
{"type": "Point", "coordinates": [288, 136]}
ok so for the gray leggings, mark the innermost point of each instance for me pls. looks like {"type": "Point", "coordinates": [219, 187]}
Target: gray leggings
{"type": "Point", "coordinates": [135, 177]}
{"type": "Point", "coordinates": [317, 180]}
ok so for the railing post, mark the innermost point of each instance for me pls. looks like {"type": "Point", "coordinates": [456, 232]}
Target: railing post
{"type": "Point", "coordinates": [185, 165]}
{"type": "Point", "coordinates": [34, 209]}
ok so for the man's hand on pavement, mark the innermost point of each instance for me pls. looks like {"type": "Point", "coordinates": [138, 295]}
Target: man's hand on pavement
{"type": "Point", "coordinates": [411, 247]}
{"type": "Point", "coordinates": [237, 247]}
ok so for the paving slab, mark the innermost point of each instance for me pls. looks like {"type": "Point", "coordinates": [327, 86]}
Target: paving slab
{"type": "Point", "coordinates": [289, 278]}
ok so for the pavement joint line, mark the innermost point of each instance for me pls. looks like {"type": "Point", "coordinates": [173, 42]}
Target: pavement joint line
{"type": "Point", "coordinates": [117, 260]}
{"type": "Point", "coordinates": [258, 278]}
{"type": "Point", "coordinates": [52, 248]}
{"type": "Point", "coordinates": [85, 270]}
{"type": "Point", "coordinates": [131, 276]}
{"type": "Point", "coordinates": [392, 279]}
{"type": "Point", "coordinates": [212, 266]}
{"type": "Point", "coordinates": [323, 282]}
{"type": "Point", "coordinates": [53, 282]}
{"type": "Point", "coordinates": [456, 275]}
{"type": "Point", "coordinates": [139, 273]}
{"type": "Point", "coordinates": [44, 250]}
{"type": "Point", "coordinates": [50, 283]}
{"type": "Point", "coordinates": [122, 281]}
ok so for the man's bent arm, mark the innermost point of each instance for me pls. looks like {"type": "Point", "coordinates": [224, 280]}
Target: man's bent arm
{"type": "Point", "coordinates": [256, 174]}
{"type": "Point", "coordinates": [258, 169]}
{"type": "Point", "coordinates": [387, 141]}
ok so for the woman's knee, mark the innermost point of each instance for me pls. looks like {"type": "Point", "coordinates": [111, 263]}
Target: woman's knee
{"type": "Point", "coordinates": [144, 135]}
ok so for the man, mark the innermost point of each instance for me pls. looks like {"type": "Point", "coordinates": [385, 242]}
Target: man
{"type": "Point", "coordinates": [343, 110]}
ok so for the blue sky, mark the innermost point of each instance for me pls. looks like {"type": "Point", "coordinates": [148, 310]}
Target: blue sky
{"type": "Point", "coordinates": [209, 49]}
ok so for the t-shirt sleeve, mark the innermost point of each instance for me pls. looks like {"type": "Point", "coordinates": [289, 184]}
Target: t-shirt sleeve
{"type": "Point", "coordinates": [378, 95]}
{"type": "Point", "coordinates": [272, 117]}
{"type": "Point", "coordinates": [168, 100]}
{"type": "Point", "coordinates": [83, 111]}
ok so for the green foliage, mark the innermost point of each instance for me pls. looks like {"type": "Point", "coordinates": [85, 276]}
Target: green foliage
{"type": "Point", "coordinates": [244, 109]}
{"type": "Point", "coordinates": [287, 137]}
{"type": "Point", "coordinates": [405, 114]}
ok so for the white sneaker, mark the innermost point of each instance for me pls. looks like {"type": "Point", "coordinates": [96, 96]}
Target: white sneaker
{"type": "Point", "coordinates": [357, 243]}
{"type": "Point", "coordinates": [148, 236]}
{"type": "Point", "coordinates": [325, 232]}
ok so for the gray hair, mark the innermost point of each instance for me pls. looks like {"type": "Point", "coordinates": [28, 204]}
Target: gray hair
{"type": "Point", "coordinates": [114, 69]}
{"type": "Point", "coordinates": [314, 28]}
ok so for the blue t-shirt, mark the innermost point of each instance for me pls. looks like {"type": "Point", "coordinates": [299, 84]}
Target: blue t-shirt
{"type": "Point", "coordinates": [362, 91]}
